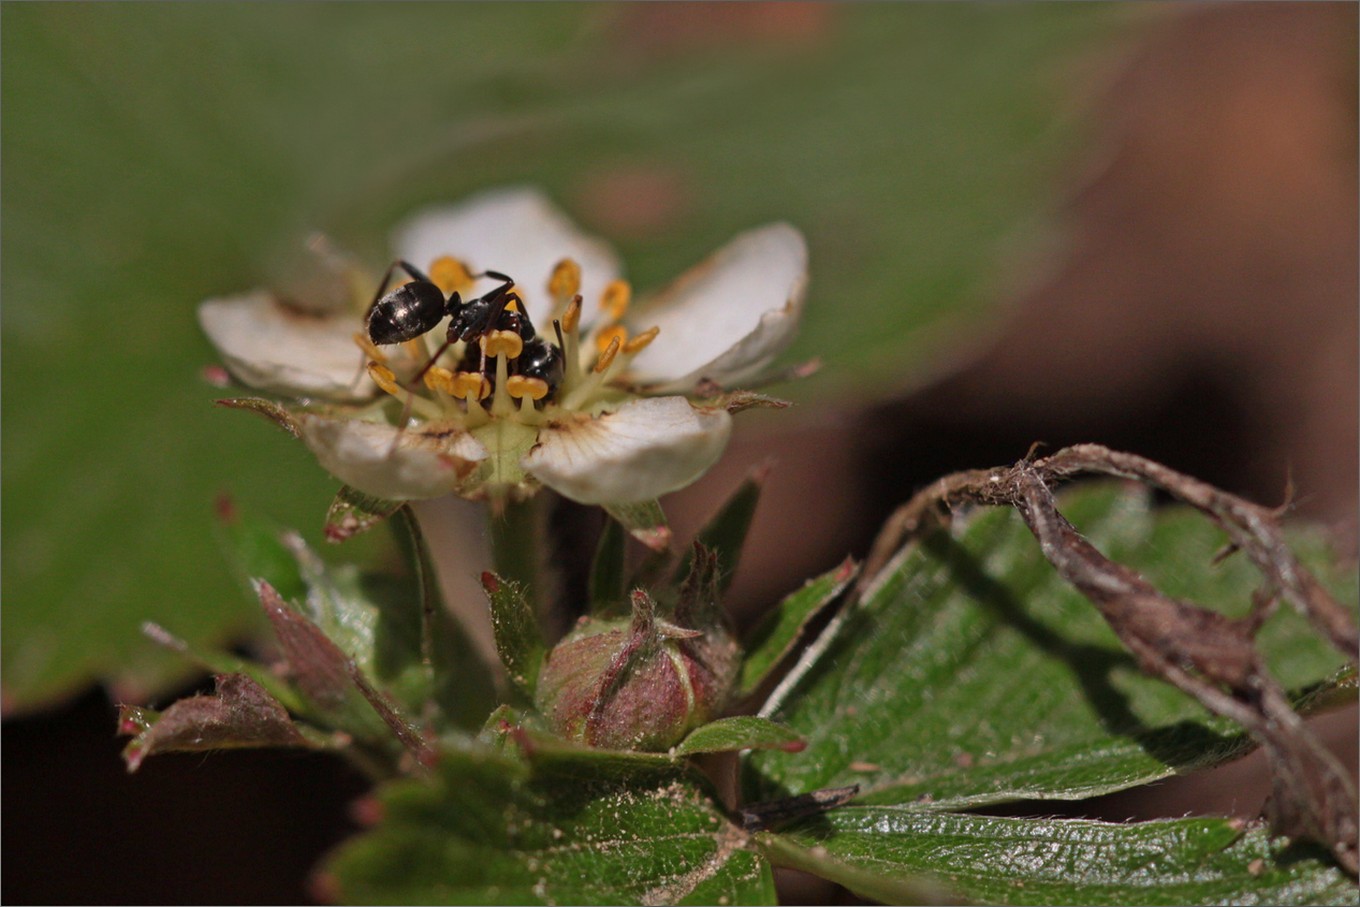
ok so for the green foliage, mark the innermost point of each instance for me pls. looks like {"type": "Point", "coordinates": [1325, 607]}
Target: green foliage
{"type": "Point", "coordinates": [739, 733]}
{"type": "Point", "coordinates": [968, 675]}
{"type": "Point", "coordinates": [971, 674]}
{"type": "Point", "coordinates": [490, 829]}
{"type": "Point", "coordinates": [158, 154]}
{"type": "Point", "coordinates": [780, 631]}
{"type": "Point", "coordinates": [876, 851]}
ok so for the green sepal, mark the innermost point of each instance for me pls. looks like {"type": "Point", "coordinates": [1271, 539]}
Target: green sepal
{"type": "Point", "coordinates": [725, 532]}
{"type": "Point", "coordinates": [742, 732]}
{"type": "Point", "coordinates": [353, 512]}
{"type": "Point", "coordinates": [645, 521]}
{"type": "Point", "coordinates": [772, 640]}
{"type": "Point", "coordinates": [518, 641]}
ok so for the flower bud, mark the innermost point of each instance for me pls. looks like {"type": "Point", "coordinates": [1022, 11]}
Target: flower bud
{"type": "Point", "coordinates": [636, 684]}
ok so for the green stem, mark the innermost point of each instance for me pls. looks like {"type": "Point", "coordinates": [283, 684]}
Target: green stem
{"type": "Point", "coordinates": [516, 540]}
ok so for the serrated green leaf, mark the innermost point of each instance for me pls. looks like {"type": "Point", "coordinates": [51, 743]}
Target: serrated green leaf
{"type": "Point", "coordinates": [877, 851]}
{"type": "Point", "coordinates": [779, 631]}
{"type": "Point", "coordinates": [971, 674]}
{"type": "Point", "coordinates": [739, 733]}
{"type": "Point", "coordinates": [486, 829]}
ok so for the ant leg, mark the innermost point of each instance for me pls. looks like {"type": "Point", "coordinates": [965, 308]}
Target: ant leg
{"type": "Point", "coordinates": [430, 364]}
{"type": "Point", "coordinates": [497, 275]}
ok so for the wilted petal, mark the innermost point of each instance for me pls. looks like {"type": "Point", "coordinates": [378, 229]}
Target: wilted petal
{"type": "Point", "coordinates": [376, 458]}
{"type": "Point", "coordinates": [269, 346]}
{"type": "Point", "coordinates": [516, 231]}
{"type": "Point", "coordinates": [726, 318]}
{"type": "Point", "coordinates": [647, 448]}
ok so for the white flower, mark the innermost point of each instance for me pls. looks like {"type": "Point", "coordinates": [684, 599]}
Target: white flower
{"type": "Point", "coordinates": [616, 425]}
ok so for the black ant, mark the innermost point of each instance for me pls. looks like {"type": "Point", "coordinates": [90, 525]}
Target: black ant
{"type": "Point", "coordinates": [417, 307]}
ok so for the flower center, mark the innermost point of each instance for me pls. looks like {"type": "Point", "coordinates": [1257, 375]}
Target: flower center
{"type": "Point", "coordinates": [486, 361]}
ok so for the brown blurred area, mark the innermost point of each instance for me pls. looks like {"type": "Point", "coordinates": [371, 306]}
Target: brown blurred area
{"type": "Point", "coordinates": [1203, 312]}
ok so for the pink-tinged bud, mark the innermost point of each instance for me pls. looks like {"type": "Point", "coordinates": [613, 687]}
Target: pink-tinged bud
{"type": "Point", "coordinates": [636, 684]}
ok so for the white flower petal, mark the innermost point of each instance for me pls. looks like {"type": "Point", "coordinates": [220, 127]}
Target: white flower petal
{"type": "Point", "coordinates": [516, 231]}
{"type": "Point", "coordinates": [420, 462]}
{"type": "Point", "coordinates": [271, 347]}
{"type": "Point", "coordinates": [728, 317]}
{"type": "Point", "coordinates": [647, 448]}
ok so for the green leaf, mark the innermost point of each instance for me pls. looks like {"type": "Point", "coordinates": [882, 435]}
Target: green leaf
{"type": "Point", "coordinates": [258, 549]}
{"type": "Point", "coordinates": [779, 631]}
{"type": "Point", "coordinates": [971, 674]}
{"type": "Point", "coordinates": [644, 521]}
{"type": "Point", "coordinates": [379, 621]}
{"type": "Point", "coordinates": [517, 636]}
{"type": "Point", "coordinates": [739, 733]}
{"type": "Point", "coordinates": [882, 852]}
{"type": "Point", "coordinates": [486, 829]}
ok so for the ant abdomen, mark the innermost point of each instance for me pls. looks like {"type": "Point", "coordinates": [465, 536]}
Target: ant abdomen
{"type": "Point", "coordinates": [406, 313]}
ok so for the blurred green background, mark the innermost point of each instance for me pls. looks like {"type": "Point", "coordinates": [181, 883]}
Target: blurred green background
{"type": "Point", "coordinates": [157, 154]}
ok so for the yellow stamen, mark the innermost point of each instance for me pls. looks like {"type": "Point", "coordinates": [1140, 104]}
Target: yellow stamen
{"type": "Point", "coordinates": [524, 386]}
{"type": "Point", "coordinates": [615, 298]}
{"type": "Point", "coordinates": [641, 340]}
{"type": "Point", "coordinates": [503, 343]}
{"type": "Point", "coordinates": [449, 274]}
{"type": "Point", "coordinates": [607, 356]}
{"type": "Point", "coordinates": [385, 379]}
{"type": "Point", "coordinates": [565, 281]}
{"type": "Point", "coordinates": [438, 378]}
{"type": "Point", "coordinates": [369, 347]}
{"type": "Point", "coordinates": [572, 316]}
{"type": "Point", "coordinates": [611, 336]}
{"type": "Point", "coordinates": [469, 386]}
